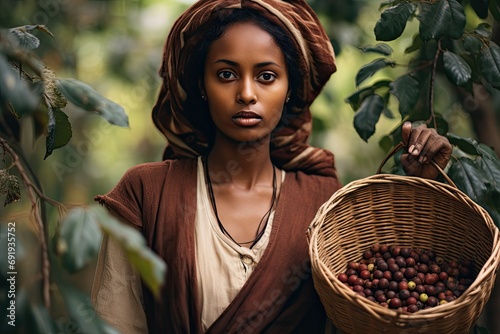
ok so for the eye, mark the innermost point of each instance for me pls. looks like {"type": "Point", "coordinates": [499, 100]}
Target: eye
{"type": "Point", "coordinates": [226, 75]}
{"type": "Point", "coordinates": [267, 77]}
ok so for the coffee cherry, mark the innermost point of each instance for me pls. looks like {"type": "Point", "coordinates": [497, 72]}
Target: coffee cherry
{"type": "Point", "coordinates": [403, 285]}
{"type": "Point", "coordinates": [430, 290]}
{"type": "Point", "coordinates": [387, 275]}
{"type": "Point", "coordinates": [395, 251]}
{"type": "Point", "coordinates": [378, 274]}
{"type": "Point", "coordinates": [410, 273]}
{"type": "Point", "coordinates": [381, 298]}
{"type": "Point", "coordinates": [357, 288]}
{"type": "Point", "coordinates": [383, 283]}
{"type": "Point", "coordinates": [424, 258]}
{"type": "Point", "coordinates": [367, 254]}
{"type": "Point", "coordinates": [423, 268]}
{"type": "Point", "coordinates": [395, 303]}
{"type": "Point", "coordinates": [351, 272]}
{"type": "Point", "coordinates": [382, 265]}
{"type": "Point", "coordinates": [430, 279]}
{"type": "Point", "coordinates": [390, 294]}
{"type": "Point", "coordinates": [411, 285]}
{"type": "Point", "coordinates": [411, 301]}
{"type": "Point", "coordinates": [432, 301]}
{"type": "Point", "coordinates": [420, 289]}
{"type": "Point", "coordinates": [365, 274]}
{"type": "Point", "coordinates": [401, 261]}
{"type": "Point", "coordinates": [398, 276]}
{"type": "Point", "coordinates": [393, 285]}
{"type": "Point", "coordinates": [404, 294]}
{"type": "Point", "coordinates": [370, 267]}
{"type": "Point", "coordinates": [412, 308]}
{"type": "Point", "coordinates": [410, 262]}
{"type": "Point", "coordinates": [353, 265]}
{"type": "Point", "coordinates": [423, 297]}
{"type": "Point", "coordinates": [342, 277]}
{"type": "Point", "coordinates": [375, 248]}
{"type": "Point", "coordinates": [352, 279]}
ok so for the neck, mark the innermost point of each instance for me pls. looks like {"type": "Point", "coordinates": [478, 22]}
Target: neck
{"type": "Point", "coordinates": [241, 164]}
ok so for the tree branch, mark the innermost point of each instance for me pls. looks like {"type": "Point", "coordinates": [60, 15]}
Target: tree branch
{"type": "Point", "coordinates": [33, 192]}
{"type": "Point", "coordinates": [431, 85]}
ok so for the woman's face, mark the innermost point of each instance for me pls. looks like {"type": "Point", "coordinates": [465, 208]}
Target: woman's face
{"type": "Point", "coordinates": [246, 83]}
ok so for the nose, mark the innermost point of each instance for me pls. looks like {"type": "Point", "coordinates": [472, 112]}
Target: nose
{"type": "Point", "coordinates": [246, 92]}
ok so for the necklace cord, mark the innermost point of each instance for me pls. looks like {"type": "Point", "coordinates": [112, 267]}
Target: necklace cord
{"type": "Point", "coordinates": [260, 232]}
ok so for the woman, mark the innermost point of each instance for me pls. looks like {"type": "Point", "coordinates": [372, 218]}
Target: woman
{"type": "Point", "coordinates": [228, 208]}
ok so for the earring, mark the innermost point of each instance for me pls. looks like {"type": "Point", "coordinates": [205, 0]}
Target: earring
{"type": "Point", "coordinates": [203, 97]}
{"type": "Point", "coordinates": [287, 99]}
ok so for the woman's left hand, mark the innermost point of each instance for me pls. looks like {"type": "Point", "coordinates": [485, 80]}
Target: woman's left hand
{"type": "Point", "coordinates": [423, 145]}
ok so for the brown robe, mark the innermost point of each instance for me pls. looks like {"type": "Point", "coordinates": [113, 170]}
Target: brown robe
{"type": "Point", "coordinates": [159, 198]}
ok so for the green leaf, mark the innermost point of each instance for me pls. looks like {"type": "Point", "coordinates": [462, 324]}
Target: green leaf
{"type": "Point", "coordinates": [392, 21]}
{"type": "Point", "coordinates": [473, 44]}
{"type": "Point", "coordinates": [494, 9]}
{"type": "Point", "coordinates": [368, 115]}
{"type": "Point", "coordinates": [41, 321]}
{"type": "Point", "coordinates": [151, 267]}
{"type": "Point", "coordinates": [85, 97]}
{"type": "Point", "coordinates": [490, 166]}
{"type": "Point", "coordinates": [370, 69]}
{"type": "Point", "coordinates": [58, 131]}
{"type": "Point", "coordinates": [441, 18]}
{"type": "Point", "coordinates": [415, 45]}
{"type": "Point", "coordinates": [456, 68]}
{"type": "Point", "coordinates": [358, 96]}
{"type": "Point", "coordinates": [380, 48]}
{"type": "Point", "coordinates": [406, 89]}
{"type": "Point", "coordinates": [480, 7]}
{"type": "Point", "coordinates": [484, 30]}
{"type": "Point", "coordinates": [468, 178]}
{"type": "Point", "coordinates": [15, 95]}
{"type": "Point", "coordinates": [386, 143]}
{"type": "Point", "coordinates": [82, 235]}
{"type": "Point", "coordinates": [468, 145]}
{"type": "Point", "coordinates": [489, 64]}
{"type": "Point", "coordinates": [80, 309]}
{"type": "Point", "coordinates": [26, 40]}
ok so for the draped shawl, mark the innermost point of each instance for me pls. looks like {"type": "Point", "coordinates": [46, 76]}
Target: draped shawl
{"type": "Point", "coordinates": [289, 146]}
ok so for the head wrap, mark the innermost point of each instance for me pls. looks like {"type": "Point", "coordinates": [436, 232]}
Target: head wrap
{"type": "Point", "coordinates": [289, 147]}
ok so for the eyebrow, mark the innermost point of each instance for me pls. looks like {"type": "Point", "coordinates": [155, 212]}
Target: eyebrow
{"type": "Point", "coordinates": [235, 64]}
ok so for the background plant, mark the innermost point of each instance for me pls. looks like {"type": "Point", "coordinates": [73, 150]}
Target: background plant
{"type": "Point", "coordinates": [445, 45]}
{"type": "Point", "coordinates": [29, 89]}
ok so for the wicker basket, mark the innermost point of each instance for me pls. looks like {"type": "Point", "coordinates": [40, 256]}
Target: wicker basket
{"type": "Point", "coordinates": [410, 212]}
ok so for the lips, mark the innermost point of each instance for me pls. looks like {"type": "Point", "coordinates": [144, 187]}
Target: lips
{"type": "Point", "coordinates": [246, 118]}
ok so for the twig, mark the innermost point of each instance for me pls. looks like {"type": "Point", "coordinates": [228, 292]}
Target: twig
{"type": "Point", "coordinates": [431, 85]}
{"type": "Point", "coordinates": [33, 192]}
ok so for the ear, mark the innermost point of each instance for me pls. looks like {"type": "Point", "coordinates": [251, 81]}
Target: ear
{"type": "Point", "coordinates": [202, 90]}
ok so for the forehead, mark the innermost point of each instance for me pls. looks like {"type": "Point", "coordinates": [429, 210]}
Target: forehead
{"type": "Point", "coordinates": [246, 40]}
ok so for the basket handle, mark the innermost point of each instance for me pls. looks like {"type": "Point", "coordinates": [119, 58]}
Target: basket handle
{"type": "Point", "coordinates": [432, 162]}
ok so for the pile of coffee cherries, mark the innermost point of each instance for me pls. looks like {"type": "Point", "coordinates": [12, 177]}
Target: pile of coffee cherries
{"type": "Point", "coordinates": [407, 279]}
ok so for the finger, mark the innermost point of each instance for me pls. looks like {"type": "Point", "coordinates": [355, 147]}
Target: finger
{"type": "Point", "coordinates": [405, 132]}
{"type": "Point", "coordinates": [418, 139]}
{"type": "Point", "coordinates": [437, 148]}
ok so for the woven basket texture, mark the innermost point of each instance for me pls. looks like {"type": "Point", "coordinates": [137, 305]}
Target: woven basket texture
{"type": "Point", "coordinates": [409, 212]}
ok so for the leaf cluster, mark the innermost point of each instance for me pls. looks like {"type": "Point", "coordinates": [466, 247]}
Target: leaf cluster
{"type": "Point", "coordinates": [29, 88]}
{"type": "Point", "coordinates": [442, 46]}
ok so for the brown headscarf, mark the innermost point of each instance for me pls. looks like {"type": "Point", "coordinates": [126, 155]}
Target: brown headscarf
{"type": "Point", "coordinates": [289, 149]}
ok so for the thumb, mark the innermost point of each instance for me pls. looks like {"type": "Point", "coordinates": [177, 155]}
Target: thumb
{"type": "Point", "coordinates": [405, 132]}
